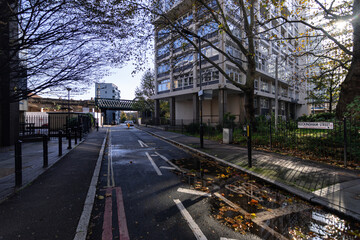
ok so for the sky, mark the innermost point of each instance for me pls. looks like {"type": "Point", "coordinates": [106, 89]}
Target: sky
{"type": "Point", "coordinates": [122, 78]}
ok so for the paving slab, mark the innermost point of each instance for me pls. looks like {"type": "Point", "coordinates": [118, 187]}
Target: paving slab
{"type": "Point", "coordinates": [32, 163]}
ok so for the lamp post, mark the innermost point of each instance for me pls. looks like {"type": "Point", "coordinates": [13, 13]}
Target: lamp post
{"type": "Point", "coordinates": [200, 93]}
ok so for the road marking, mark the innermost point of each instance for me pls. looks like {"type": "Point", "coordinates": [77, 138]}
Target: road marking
{"type": "Point", "coordinates": [231, 204]}
{"type": "Point", "coordinates": [82, 227]}
{"type": "Point", "coordinates": [142, 144]}
{"type": "Point", "coordinates": [153, 164]}
{"type": "Point", "coordinates": [107, 233]}
{"type": "Point", "coordinates": [222, 238]}
{"type": "Point", "coordinates": [194, 192]}
{"type": "Point", "coordinates": [107, 223]}
{"type": "Point", "coordinates": [192, 224]}
{"type": "Point", "coordinates": [168, 161]}
{"type": "Point", "coordinates": [110, 172]}
{"type": "Point", "coordinates": [123, 230]}
{"type": "Point", "coordinates": [166, 167]}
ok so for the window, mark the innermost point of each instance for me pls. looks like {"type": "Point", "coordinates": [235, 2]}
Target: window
{"type": "Point", "coordinates": [177, 82]}
{"type": "Point", "coordinates": [183, 60]}
{"type": "Point", "coordinates": [183, 80]}
{"type": "Point", "coordinates": [256, 84]}
{"type": "Point", "coordinates": [162, 68]}
{"type": "Point", "coordinates": [181, 42]}
{"type": "Point", "coordinates": [264, 86]}
{"type": "Point", "coordinates": [210, 74]}
{"type": "Point", "coordinates": [255, 103]}
{"type": "Point", "coordinates": [207, 28]}
{"type": "Point", "coordinates": [185, 20]}
{"type": "Point", "coordinates": [235, 30]}
{"type": "Point", "coordinates": [260, 60]}
{"type": "Point", "coordinates": [264, 103]}
{"type": "Point", "coordinates": [234, 74]}
{"type": "Point", "coordinates": [283, 92]}
{"type": "Point", "coordinates": [164, 85]}
{"type": "Point", "coordinates": [209, 51]}
{"type": "Point", "coordinates": [163, 50]}
{"type": "Point", "coordinates": [234, 53]}
{"type": "Point", "coordinates": [163, 33]}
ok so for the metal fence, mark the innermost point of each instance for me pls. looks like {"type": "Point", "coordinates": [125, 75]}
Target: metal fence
{"type": "Point", "coordinates": [342, 142]}
{"type": "Point", "coordinates": [50, 124]}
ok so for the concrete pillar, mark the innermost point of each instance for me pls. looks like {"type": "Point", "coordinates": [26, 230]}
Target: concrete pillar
{"type": "Point", "coordinates": [222, 104]}
{"type": "Point", "coordinates": [9, 76]}
{"type": "Point", "coordinates": [157, 112]}
{"type": "Point", "coordinates": [172, 111]}
{"type": "Point", "coordinates": [196, 115]}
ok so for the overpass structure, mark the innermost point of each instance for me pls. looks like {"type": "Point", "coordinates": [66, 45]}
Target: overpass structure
{"type": "Point", "coordinates": [115, 104]}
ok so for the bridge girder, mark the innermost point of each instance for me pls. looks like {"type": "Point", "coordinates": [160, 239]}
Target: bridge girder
{"type": "Point", "coordinates": [115, 104]}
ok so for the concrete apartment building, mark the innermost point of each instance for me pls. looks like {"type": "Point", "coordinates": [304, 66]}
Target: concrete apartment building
{"type": "Point", "coordinates": [108, 90]}
{"type": "Point", "coordinates": [177, 71]}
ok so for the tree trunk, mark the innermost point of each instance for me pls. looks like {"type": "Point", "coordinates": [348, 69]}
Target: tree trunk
{"type": "Point", "coordinates": [350, 88]}
{"type": "Point", "coordinates": [249, 106]}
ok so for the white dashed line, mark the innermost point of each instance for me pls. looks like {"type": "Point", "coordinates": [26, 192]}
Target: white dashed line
{"type": "Point", "coordinates": [142, 144]}
{"type": "Point", "coordinates": [194, 192]}
{"type": "Point", "coordinates": [153, 164]}
{"type": "Point", "coordinates": [166, 167]}
{"type": "Point", "coordinates": [192, 224]}
{"type": "Point", "coordinates": [168, 161]}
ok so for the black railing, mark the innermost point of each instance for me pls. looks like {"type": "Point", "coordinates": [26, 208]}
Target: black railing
{"type": "Point", "coordinates": [38, 125]}
{"type": "Point", "coordinates": [340, 144]}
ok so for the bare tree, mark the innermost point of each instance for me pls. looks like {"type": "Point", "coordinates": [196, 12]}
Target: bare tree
{"type": "Point", "coordinates": [326, 30]}
{"type": "Point", "coordinates": [58, 43]}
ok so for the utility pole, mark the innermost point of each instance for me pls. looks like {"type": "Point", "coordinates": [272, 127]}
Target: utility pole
{"type": "Point", "coordinates": [201, 92]}
{"type": "Point", "coordinates": [276, 92]}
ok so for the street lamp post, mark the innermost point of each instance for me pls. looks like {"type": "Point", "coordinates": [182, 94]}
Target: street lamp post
{"type": "Point", "coordinates": [200, 93]}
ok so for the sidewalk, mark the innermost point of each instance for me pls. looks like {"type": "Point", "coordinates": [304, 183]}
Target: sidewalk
{"type": "Point", "coordinates": [51, 206]}
{"type": "Point", "coordinates": [32, 163]}
{"type": "Point", "coordinates": [334, 188]}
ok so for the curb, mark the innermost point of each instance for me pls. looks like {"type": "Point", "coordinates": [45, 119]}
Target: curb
{"type": "Point", "coordinates": [82, 228]}
{"type": "Point", "coordinates": [310, 197]}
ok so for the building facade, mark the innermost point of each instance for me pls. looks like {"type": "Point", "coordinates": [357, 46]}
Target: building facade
{"type": "Point", "coordinates": [108, 90]}
{"type": "Point", "coordinates": [178, 70]}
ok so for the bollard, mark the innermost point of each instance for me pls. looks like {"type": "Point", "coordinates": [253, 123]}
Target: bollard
{"type": "Point", "coordinates": [248, 128]}
{"type": "Point", "coordinates": [270, 134]}
{"type": "Point", "coordinates": [75, 129]}
{"type": "Point", "coordinates": [81, 129]}
{"type": "Point", "coordinates": [45, 151]}
{"type": "Point", "coordinates": [345, 143]}
{"type": "Point", "coordinates": [97, 127]}
{"type": "Point", "coordinates": [18, 164]}
{"type": "Point", "coordinates": [69, 138]}
{"type": "Point", "coordinates": [60, 143]}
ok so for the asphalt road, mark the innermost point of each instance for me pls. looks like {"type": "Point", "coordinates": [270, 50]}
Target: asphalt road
{"type": "Point", "coordinates": [139, 196]}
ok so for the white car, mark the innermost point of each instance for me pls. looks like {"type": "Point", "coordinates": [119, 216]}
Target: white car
{"type": "Point", "coordinates": [130, 122]}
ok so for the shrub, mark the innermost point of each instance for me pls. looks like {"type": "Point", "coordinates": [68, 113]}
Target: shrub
{"type": "Point", "coordinates": [326, 116]}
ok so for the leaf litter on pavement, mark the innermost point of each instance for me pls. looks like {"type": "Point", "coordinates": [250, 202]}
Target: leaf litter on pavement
{"type": "Point", "coordinates": [259, 207]}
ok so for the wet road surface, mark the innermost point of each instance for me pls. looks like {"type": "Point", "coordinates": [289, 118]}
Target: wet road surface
{"type": "Point", "coordinates": [141, 196]}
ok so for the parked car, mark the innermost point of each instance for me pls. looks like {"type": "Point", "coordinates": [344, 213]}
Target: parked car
{"type": "Point", "coordinates": [130, 122]}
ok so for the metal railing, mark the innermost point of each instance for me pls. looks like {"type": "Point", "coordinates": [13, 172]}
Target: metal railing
{"type": "Point", "coordinates": [341, 143]}
{"type": "Point", "coordinates": [50, 125]}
